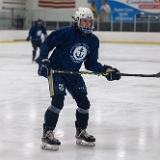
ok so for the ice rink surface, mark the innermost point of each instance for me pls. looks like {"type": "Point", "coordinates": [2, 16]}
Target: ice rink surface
{"type": "Point", "coordinates": [124, 114]}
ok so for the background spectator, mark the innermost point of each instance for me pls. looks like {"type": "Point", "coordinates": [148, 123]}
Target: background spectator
{"type": "Point", "coordinates": [94, 10]}
{"type": "Point", "coordinates": [105, 12]}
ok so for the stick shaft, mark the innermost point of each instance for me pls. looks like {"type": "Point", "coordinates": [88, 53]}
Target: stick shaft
{"type": "Point", "coordinates": [50, 82]}
{"type": "Point", "coordinates": [139, 75]}
{"type": "Point", "coordinates": [104, 74]}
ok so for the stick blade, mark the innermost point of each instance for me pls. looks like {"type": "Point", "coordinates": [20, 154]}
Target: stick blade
{"type": "Point", "coordinates": [157, 75]}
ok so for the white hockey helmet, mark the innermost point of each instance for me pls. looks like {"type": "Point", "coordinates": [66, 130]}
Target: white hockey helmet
{"type": "Point", "coordinates": [84, 13]}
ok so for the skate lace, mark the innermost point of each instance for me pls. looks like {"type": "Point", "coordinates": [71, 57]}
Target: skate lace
{"type": "Point", "coordinates": [84, 133]}
{"type": "Point", "coordinates": [50, 134]}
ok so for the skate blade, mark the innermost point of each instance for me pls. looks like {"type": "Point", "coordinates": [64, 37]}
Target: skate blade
{"type": "Point", "coordinates": [84, 143]}
{"type": "Point", "coordinates": [49, 147]}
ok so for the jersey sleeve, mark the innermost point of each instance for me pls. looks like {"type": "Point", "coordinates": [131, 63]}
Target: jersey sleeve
{"type": "Point", "coordinates": [44, 31]}
{"type": "Point", "coordinates": [56, 38]}
{"type": "Point", "coordinates": [31, 31]}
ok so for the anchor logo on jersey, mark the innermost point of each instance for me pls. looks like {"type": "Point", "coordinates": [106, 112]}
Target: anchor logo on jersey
{"type": "Point", "coordinates": [79, 52]}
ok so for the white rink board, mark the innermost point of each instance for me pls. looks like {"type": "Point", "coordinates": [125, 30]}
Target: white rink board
{"type": "Point", "coordinates": [125, 37]}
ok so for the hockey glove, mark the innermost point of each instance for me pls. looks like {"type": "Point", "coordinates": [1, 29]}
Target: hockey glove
{"type": "Point", "coordinates": [112, 73]}
{"type": "Point", "coordinates": [44, 67]}
{"type": "Point", "coordinates": [28, 38]}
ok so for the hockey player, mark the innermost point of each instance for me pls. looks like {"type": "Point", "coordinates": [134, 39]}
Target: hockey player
{"type": "Point", "coordinates": [71, 46]}
{"type": "Point", "coordinates": [35, 33]}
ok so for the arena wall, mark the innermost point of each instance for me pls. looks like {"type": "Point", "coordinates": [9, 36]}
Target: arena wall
{"type": "Point", "coordinates": [107, 37]}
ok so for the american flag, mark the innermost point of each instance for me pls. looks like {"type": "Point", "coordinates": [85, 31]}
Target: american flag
{"type": "Point", "coordinates": [57, 3]}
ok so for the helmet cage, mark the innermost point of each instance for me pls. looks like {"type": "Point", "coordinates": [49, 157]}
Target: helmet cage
{"type": "Point", "coordinates": [84, 13]}
{"type": "Point", "coordinates": [85, 30]}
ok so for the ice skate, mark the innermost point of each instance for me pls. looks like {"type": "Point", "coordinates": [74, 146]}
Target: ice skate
{"type": "Point", "coordinates": [83, 138]}
{"type": "Point", "coordinates": [33, 61]}
{"type": "Point", "coordinates": [49, 142]}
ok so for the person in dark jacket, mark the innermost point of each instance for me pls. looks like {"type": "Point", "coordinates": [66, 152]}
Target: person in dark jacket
{"type": "Point", "coordinates": [35, 34]}
{"type": "Point", "coordinates": [72, 46]}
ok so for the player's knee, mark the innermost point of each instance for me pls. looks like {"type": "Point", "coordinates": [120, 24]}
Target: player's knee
{"type": "Point", "coordinates": [57, 104]}
{"type": "Point", "coordinates": [58, 101]}
{"type": "Point", "coordinates": [82, 101]}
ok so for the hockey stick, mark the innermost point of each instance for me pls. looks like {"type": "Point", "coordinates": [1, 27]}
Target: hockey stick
{"type": "Point", "coordinates": [157, 75]}
{"type": "Point", "coordinates": [50, 82]}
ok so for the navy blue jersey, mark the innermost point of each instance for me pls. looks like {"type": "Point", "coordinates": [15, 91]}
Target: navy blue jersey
{"type": "Point", "coordinates": [36, 31]}
{"type": "Point", "coordinates": [71, 49]}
